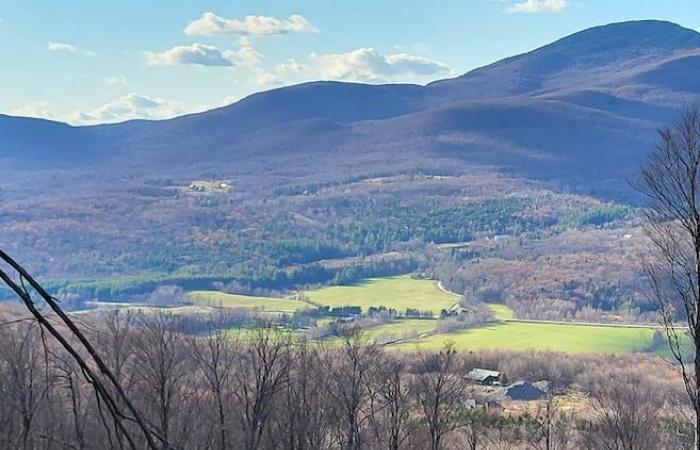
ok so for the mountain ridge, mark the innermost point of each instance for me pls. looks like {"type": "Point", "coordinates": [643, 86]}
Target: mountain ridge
{"type": "Point", "coordinates": [542, 114]}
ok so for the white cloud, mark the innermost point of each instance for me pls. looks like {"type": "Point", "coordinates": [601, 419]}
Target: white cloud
{"type": "Point", "coordinates": [247, 55]}
{"type": "Point", "coordinates": [251, 61]}
{"type": "Point", "coordinates": [127, 107]}
{"type": "Point", "coordinates": [230, 99]}
{"type": "Point", "coordinates": [290, 66]}
{"type": "Point", "coordinates": [286, 72]}
{"type": "Point", "coordinates": [195, 54]}
{"type": "Point", "coordinates": [115, 80]}
{"type": "Point", "coordinates": [367, 64]}
{"type": "Point", "coordinates": [403, 63]}
{"type": "Point", "coordinates": [209, 24]}
{"type": "Point", "coordinates": [69, 48]}
{"type": "Point", "coordinates": [41, 109]}
{"type": "Point", "coordinates": [537, 6]}
{"type": "Point", "coordinates": [247, 60]}
{"type": "Point", "coordinates": [263, 78]}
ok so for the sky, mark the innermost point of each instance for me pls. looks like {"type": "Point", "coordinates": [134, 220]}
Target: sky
{"type": "Point", "coordinates": [96, 61]}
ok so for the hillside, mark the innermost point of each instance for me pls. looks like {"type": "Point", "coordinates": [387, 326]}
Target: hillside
{"type": "Point", "coordinates": [322, 177]}
{"type": "Point", "coordinates": [589, 102]}
{"type": "Point", "coordinates": [597, 56]}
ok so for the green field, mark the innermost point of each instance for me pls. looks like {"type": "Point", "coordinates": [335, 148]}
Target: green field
{"type": "Point", "coordinates": [501, 311]}
{"type": "Point", "coordinates": [271, 304]}
{"type": "Point", "coordinates": [402, 329]}
{"type": "Point", "coordinates": [398, 293]}
{"type": "Point", "coordinates": [405, 292]}
{"type": "Point", "coordinates": [146, 309]}
{"type": "Point", "coordinates": [542, 336]}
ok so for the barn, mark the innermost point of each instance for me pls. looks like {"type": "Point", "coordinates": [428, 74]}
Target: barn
{"type": "Point", "coordinates": [484, 376]}
{"type": "Point", "coordinates": [526, 391]}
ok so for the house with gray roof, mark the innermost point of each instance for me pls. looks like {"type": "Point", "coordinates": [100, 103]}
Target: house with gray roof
{"type": "Point", "coordinates": [484, 376]}
{"type": "Point", "coordinates": [526, 391]}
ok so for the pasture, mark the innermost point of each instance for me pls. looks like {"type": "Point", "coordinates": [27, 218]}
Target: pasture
{"type": "Point", "coordinates": [402, 292]}
{"type": "Point", "coordinates": [268, 304]}
{"type": "Point", "coordinates": [399, 330]}
{"type": "Point", "coordinates": [568, 338]}
{"type": "Point", "coordinates": [398, 293]}
{"type": "Point", "coordinates": [501, 311]}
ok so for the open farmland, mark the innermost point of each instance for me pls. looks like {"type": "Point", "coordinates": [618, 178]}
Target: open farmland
{"type": "Point", "coordinates": [568, 338]}
{"type": "Point", "coordinates": [402, 292]}
{"type": "Point", "coordinates": [400, 330]}
{"type": "Point", "coordinates": [399, 293]}
{"type": "Point", "coordinates": [271, 304]}
{"type": "Point", "coordinates": [501, 312]}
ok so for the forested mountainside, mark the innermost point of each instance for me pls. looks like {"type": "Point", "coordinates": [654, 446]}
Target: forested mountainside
{"type": "Point", "coordinates": [304, 184]}
{"type": "Point", "coordinates": [586, 105]}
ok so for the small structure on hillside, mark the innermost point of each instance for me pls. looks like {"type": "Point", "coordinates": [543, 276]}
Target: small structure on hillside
{"type": "Point", "coordinates": [526, 391]}
{"type": "Point", "coordinates": [484, 376]}
{"type": "Point", "coordinates": [346, 320]}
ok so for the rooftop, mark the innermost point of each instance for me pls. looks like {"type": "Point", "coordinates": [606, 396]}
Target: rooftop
{"type": "Point", "coordinates": [483, 374]}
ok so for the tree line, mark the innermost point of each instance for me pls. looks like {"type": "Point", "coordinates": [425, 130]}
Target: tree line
{"type": "Point", "coordinates": [264, 389]}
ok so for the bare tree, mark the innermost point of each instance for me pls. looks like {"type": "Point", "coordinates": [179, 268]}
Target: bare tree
{"type": "Point", "coordinates": [163, 368]}
{"type": "Point", "coordinates": [394, 403]}
{"type": "Point", "coordinates": [347, 376]}
{"type": "Point", "coordinates": [472, 422]}
{"type": "Point", "coordinates": [114, 337]}
{"type": "Point", "coordinates": [261, 376]}
{"type": "Point", "coordinates": [26, 384]}
{"type": "Point", "coordinates": [24, 286]}
{"type": "Point", "coordinates": [77, 403]}
{"type": "Point", "coordinates": [307, 423]}
{"type": "Point", "coordinates": [671, 182]}
{"type": "Point", "coordinates": [440, 393]}
{"type": "Point", "coordinates": [215, 356]}
{"type": "Point", "coordinates": [624, 418]}
{"type": "Point", "coordinates": [549, 427]}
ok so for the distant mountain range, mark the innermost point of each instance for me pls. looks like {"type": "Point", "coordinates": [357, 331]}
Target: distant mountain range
{"type": "Point", "coordinates": [581, 111]}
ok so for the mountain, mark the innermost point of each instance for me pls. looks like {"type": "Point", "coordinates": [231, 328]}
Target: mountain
{"type": "Point", "coordinates": [40, 141]}
{"type": "Point", "coordinates": [580, 112]}
{"type": "Point", "coordinates": [591, 57]}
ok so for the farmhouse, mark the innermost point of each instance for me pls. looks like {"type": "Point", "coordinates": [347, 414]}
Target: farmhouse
{"type": "Point", "coordinates": [526, 391]}
{"type": "Point", "coordinates": [484, 376]}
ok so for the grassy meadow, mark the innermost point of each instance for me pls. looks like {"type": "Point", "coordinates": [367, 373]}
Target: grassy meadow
{"type": "Point", "coordinates": [271, 304]}
{"type": "Point", "coordinates": [399, 330]}
{"type": "Point", "coordinates": [501, 312]}
{"type": "Point", "coordinates": [402, 292]}
{"type": "Point", "coordinates": [568, 338]}
{"type": "Point", "coordinates": [398, 293]}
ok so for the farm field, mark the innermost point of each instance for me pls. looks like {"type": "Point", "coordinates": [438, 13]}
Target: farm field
{"type": "Point", "coordinates": [402, 292]}
{"type": "Point", "coordinates": [501, 312]}
{"type": "Point", "coordinates": [213, 298]}
{"type": "Point", "coordinates": [568, 338]}
{"type": "Point", "coordinates": [146, 309]}
{"type": "Point", "coordinates": [399, 293]}
{"type": "Point", "coordinates": [402, 329]}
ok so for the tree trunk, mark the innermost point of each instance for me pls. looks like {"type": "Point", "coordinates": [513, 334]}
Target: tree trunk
{"type": "Point", "coordinates": [697, 429]}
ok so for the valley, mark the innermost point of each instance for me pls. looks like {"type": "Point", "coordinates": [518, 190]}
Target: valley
{"type": "Point", "coordinates": [384, 310]}
{"type": "Point", "coordinates": [320, 231]}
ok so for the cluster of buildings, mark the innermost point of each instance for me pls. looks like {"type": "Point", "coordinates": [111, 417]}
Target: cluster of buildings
{"type": "Point", "coordinates": [494, 395]}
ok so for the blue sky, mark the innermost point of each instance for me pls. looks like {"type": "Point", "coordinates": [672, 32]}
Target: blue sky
{"type": "Point", "coordinates": [93, 61]}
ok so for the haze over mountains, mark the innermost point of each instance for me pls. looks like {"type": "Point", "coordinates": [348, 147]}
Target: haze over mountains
{"type": "Point", "coordinates": [581, 111]}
